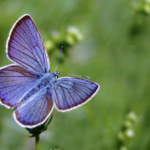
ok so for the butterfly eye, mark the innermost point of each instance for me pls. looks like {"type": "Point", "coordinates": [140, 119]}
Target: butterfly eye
{"type": "Point", "coordinates": [56, 74]}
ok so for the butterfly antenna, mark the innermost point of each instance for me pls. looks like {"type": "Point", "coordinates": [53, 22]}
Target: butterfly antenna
{"type": "Point", "coordinates": [75, 75]}
{"type": "Point", "coordinates": [59, 57]}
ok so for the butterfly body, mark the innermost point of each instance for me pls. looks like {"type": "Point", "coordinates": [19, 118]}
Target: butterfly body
{"type": "Point", "coordinates": [28, 86]}
{"type": "Point", "coordinates": [46, 81]}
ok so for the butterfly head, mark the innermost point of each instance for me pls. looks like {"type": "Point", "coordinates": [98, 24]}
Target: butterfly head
{"type": "Point", "coordinates": [56, 74]}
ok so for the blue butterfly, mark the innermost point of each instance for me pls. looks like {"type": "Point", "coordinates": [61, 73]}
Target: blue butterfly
{"type": "Point", "coordinates": [28, 86]}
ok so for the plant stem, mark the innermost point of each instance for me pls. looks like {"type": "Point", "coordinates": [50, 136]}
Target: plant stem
{"type": "Point", "coordinates": [37, 142]}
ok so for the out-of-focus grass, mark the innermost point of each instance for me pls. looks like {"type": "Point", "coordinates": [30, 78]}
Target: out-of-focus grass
{"type": "Point", "coordinates": [115, 53]}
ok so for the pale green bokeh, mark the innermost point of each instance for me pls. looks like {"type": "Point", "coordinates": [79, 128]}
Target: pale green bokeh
{"type": "Point", "coordinates": [115, 53]}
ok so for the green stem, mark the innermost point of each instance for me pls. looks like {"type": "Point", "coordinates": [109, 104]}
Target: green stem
{"type": "Point", "coordinates": [37, 142]}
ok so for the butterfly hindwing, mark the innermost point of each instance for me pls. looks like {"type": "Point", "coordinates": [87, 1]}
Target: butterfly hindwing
{"type": "Point", "coordinates": [25, 47]}
{"type": "Point", "coordinates": [36, 110]}
{"type": "Point", "coordinates": [15, 82]}
{"type": "Point", "coordinates": [70, 93]}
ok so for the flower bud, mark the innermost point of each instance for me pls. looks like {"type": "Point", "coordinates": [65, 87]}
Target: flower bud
{"type": "Point", "coordinates": [132, 117]}
{"type": "Point", "coordinates": [129, 133]}
{"type": "Point", "coordinates": [123, 148]}
{"type": "Point", "coordinates": [48, 45]}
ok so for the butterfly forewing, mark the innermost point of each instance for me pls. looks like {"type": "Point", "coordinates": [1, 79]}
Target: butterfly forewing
{"type": "Point", "coordinates": [70, 93]}
{"type": "Point", "coordinates": [25, 46]}
{"type": "Point", "coordinates": [15, 82]}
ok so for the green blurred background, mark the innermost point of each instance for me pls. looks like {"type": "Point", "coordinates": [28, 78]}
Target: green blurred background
{"type": "Point", "coordinates": [114, 53]}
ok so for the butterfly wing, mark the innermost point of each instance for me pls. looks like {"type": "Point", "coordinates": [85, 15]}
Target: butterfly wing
{"type": "Point", "coordinates": [36, 111]}
{"type": "Point", "coordinates": [25, 47]}
{"type": "Point", "coordinates": [70, 93]}
{"type": "Point", "coordinates": [15, 82]}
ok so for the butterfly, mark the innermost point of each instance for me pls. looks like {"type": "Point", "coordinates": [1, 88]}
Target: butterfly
{"type": "Point", "coordinates": [28, 87]}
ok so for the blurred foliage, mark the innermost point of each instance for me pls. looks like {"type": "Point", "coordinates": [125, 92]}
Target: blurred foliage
{"type": "Point", "coordinates": [127, 132]}
{"type": "Point", "coordinates": [114, 52]}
